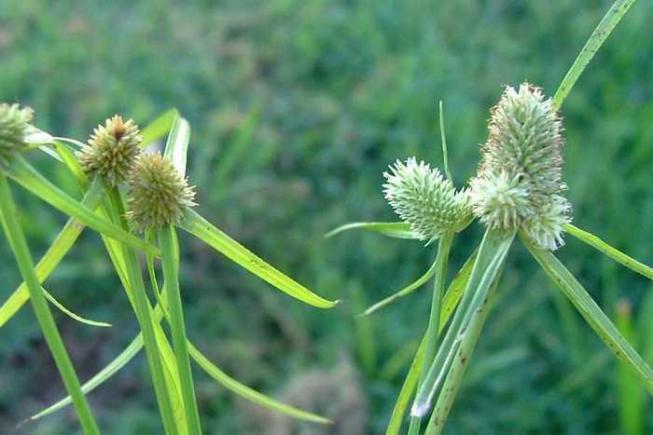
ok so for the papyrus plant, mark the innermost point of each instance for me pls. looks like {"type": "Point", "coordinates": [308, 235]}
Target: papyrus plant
{"type": "Point", "coordinates": [516, 194]}
{"type": "Point", "coordinates": [129, 192]}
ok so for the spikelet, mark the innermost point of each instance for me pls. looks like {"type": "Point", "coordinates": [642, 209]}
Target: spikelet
{"type": "Point", "coordinates": [111, 150]}
{"type": "Point", "coordinates": [425, 200]}
{"type": "Point", "coordinates": [519, 182]}
{"type": "Point", "coordinates": [158, 194]}
{"type": "Point", "coordinates": [14, 121]}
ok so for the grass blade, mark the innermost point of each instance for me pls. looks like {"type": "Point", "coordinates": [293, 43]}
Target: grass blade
{"type": "Point", "coordinates": [71, 314]}
{"type": "Point", "coordinates": [613, 253]}
{"type": "Point", "coordinates": [595, 41]}
{"type": "Point", "coordinates": [592, 313]}
{"type": "Point", "coordinates": [159, 127]}
{"type": "Point", "coordinates": [248, 393]}
{"type": "Point", "coordinates": [397, 230]}
{"type": "Point", "coordinates": [16, 238]}
{"type": "Point", "coordinates": [404, 291]}
{"type": "Point", "coordinates": [102, 376]}
{"type": "Point", "coordinates": [53, 256]}
{"type": "Point", "coordinates": [23, 173]}
{"type": "Point", "coordinates": [491, 254]}
{"type": "Point", "coordinates": [205, 231]}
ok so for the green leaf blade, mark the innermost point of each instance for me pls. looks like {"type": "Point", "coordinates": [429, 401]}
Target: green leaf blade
{"type": "Point", "coordinates": [592, 313]}
{"type": "Point", "coordinates": [205, 231]}
{"type": "Point", "coordinates": [397, 230]}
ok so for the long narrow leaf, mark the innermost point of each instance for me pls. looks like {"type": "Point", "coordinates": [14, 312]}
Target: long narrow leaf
{"type": "Point", "coordinates": [595, 41]}
{"type": "Point", "coordinates": [53, 256]}
{"type": "Point", "coordinates": [592, 313]}
{"type": "Point", "coordinates": [618, 256]}
{"type": "Point", "coordinates": [71, 314]}
{"type": "Point", "coordinates": [403, 292]}
{"type": "Point", "coordinates": [397, 230]}
{"type": "Point", "coordinates": [177, 146]}
{"type": "Point", "coordinates": [248, 393]}
{"type": "Point", "coordinates": [102, 376]}
{"type": "Point", "coordinates": [23, 173]}
{"type": "Point", "coordinates": [205, 231]}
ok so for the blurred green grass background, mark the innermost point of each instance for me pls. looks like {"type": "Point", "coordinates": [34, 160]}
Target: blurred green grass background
{"type": "Point", "coordinates": [297, 107]}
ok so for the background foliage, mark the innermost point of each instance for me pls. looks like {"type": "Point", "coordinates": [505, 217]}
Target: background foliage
{"type": "Point", "coordinates": [297, 107]}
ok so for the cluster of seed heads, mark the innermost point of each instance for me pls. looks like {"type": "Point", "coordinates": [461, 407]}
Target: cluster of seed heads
{"type": "Point", "coordinates": [14, 121]}
{"type": "Point", "coordinates": [158, 194]}
{"type": "Point", "coordinates": [519, 185]}
{"type": "Point", "coordinates": [425, 200]}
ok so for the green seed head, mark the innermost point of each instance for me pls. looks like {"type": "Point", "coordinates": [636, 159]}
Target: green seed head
{"type": "Point", "coordinates": [158, 194]}
{"type": "Point", "coordinates": [14, 121]}
{"type": "Point", "coordinates": [519, 182]}
{"type": "Point", "coordinates": [112, 150]}
{"type": "Point", "coordinates": [425, 200]}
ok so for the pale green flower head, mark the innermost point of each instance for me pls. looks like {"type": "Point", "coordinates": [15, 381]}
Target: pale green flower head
{"type": "Point", "coordinates": [112, 150]}
{"type": "Point", "coordinates": [519, 182]}
{"type": "Point", "coordinates": [425, 200]}
{"type": "Point", "coordinates": [14, 121]}
{"type": "Point", "coordinates": [158, 194]}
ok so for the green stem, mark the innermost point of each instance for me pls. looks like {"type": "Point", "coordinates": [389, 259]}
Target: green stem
{"type": "Point", "coordinates": [42, 311]}
{"type": "Point", "coordinates": [441, 263]}
{"type": "Point", "coordinates": [170, 265]}
{"type": "Point", "coordinates": [143, 314]}
{"type": "Point", "coordinates": [454, 378]}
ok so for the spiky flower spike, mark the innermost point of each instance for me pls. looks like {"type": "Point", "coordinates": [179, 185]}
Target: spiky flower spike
{"type": "Point", "coordinates": [112, 150]}
{"type": "Point", "coordinates": [425, 200]}
{"type": "Point", "coordinates": [14, 121]}
{"type": "Point", "coordinates": [158, 194]}
{"type": "Point", "coordinates": [519, 182]}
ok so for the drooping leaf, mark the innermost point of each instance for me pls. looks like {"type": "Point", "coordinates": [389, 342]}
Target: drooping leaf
{"type": "Point", "coordinates": [618, 256]}
{"type": "Point", "coordinates": [592, 313]}
{"type": "Point", "coordinates": [397, 230]}
{"type": "Point", "coordinates": [205, 231]}
{"type": "Point", "coordinates": [403, 292]}
{"type": "Point", "coordinates": [247, 393]}
{"type": "Point", "coordinates": [71, 314]}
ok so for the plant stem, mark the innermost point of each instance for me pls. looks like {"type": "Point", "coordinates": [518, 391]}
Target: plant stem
{"type": "Point", "coordinates": [143, 312]}
{"type": "Point", "coordinates": [42, 311]}
{"type": "Point", "coordinates": [454, 378]}
{"type": "Point", "coordinates": [441, 264]}
{"type": "Point", "coordinates": [170, 265]}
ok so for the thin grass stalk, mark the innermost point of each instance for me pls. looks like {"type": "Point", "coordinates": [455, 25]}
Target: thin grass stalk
{"type": "Point", "coordinates": [441, 262]}
{"type": "Point", "coordinates": [147, 323]}
{"type": "Point", "coordinates": [42, 311]}
{"type": "Point", "coordinates": [170, 265]}
{"type": "Point", "coordinates": [455, 376]}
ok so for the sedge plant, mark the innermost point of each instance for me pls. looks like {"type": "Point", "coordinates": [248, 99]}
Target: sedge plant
{"type": "Point", "coordinates": [517, 194]}
{"type": "Point", "coordinates": [135, 199]}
